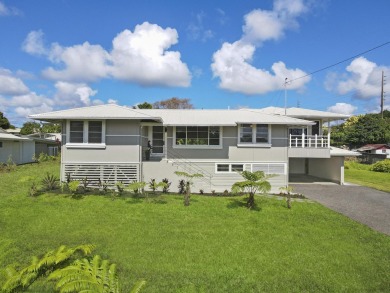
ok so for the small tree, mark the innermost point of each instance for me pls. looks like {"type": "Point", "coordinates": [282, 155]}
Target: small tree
{"type": "Point", "coordinates": [254, 182]}
{"type": "Point", "coordinates": [287, 191]}
{"type": "Point", "coordinates": [189, 178]}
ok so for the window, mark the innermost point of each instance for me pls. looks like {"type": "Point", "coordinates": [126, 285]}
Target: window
{"type": "Point", "coordinates": [223, 167]}
{"type": "Point", "coordinates": [86, 132]}
{"type": "Point", "coordinates": [261, 133]}
{"type": "Point", "coordinates": [76, 133]}
{"type": "Point", "coordinates": [229, 168]}
{"type": "Point", "coordinates": [197, 135]}
{"type": "Point", "coordinates": [1, 144]}
{"type": "Point", "coordinates": [237, 167]}
{"type": "Point", "coordinates": [95, 131]}
{"type": "Point", "coordinates": [254, 133]}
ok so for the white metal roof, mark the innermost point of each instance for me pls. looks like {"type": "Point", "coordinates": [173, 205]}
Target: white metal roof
{"type": "Point", "coordinates": [304, 113]}
{"type": "Point", "coordinates": [172, 117]}
{"type": "Point", "coordinates": [8, 136]}
{"type": "Point", "coordinates": [337, 152]}
{"type": "Point", "coordinates": [107, 111]}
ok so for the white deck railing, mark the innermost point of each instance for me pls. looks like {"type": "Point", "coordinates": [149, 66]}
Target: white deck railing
{"type": "Point", "coordinates": [309, 141]}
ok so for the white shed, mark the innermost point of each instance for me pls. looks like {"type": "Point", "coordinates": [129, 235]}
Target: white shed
{"type": "Point", "coordinates": [19, 149]}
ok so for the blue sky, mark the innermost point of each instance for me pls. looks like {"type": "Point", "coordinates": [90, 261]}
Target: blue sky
{"type": "Point", "coordinates": [71, 53]}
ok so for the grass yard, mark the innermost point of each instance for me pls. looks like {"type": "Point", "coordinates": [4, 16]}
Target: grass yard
{"type": "Point", "coordinates": [360, 174]}
{"type": "Point", "coordinates": [214, 245]}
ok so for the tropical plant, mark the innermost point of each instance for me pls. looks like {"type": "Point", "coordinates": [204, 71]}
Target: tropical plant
{"type": "Point", "coordinates": [182, 186]}
{"type": "Point", "coordinates": [120, 187]}
{"type": "Point", "coordinates": [74, 186]}
{"type": "Point", "coordinates": [17, 280]}
{"type": "Point", "coordinates": [33, 191]}
{"type": "Point", "coordinates": [287, 190]}
{"type": "Point", "coordinates": [188, 184]}
{"type": "Point", "coordinates": [137, 187]}
{"type": "Point", "coordinates": [85, 183]}
{"type": "Point", "coordinates": [153, 185]}
{"type": "Point", "coordinates": [50, 182]}
{"type": "Point", "coordinates": [254, 182]}
{"type": "Point", "coordinates": [83, 275]}
{"type": "Point", "coordinates": [166, 186]}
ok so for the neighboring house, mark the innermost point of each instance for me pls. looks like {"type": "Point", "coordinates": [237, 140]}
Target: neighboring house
{"type": "Point", "coordinates": [379, 149]}
{"type": "Point", "coordinates": [15, 131]}
{"type": "Point", "coordinates": [19, 149]}
{"type": "Point", "coordinates": [47, 143]}
{"type": "Point", "coordinates": [110, 143]}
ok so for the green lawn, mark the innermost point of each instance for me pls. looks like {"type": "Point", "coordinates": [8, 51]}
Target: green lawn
{"type": "Point", "coordinates": [214, 245]}
{"type": "Point", "coordinates": [360, 174]}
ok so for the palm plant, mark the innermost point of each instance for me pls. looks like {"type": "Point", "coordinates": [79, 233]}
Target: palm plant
{"type": "Point", "coordinates": [23, 278]}
{"type": "Point", "coordinates": [188, 184]}
{"type": "Point", "coordinates": [254, 182]}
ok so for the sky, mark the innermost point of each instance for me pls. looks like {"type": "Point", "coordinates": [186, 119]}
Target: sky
{"type": "Point", "coordinates": [219, 54]}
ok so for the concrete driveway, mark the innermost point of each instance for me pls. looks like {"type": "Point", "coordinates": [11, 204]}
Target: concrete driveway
{"type": "Point", "coordinates": [365, 205]}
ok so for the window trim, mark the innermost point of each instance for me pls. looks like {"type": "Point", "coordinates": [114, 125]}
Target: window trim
{"type": "Point", "coordinates": [85, 143]}
{"type": "Point", "coordinates": [197, 146]}
{"type": "Point", "coordinates": [254, 143]}
{"type": "Point", "coordinates": [230, 168]}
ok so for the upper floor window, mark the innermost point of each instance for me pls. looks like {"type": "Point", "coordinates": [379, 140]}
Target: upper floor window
{"type": "Point", "coordinates": [197, 136]}
{"type": "Point", "coordinates": [86, 132]}
{"type": "Point", "coordinates": [254, 133]}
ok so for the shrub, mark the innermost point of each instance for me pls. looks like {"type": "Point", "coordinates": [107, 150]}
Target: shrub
{"type": "Point", "coordinates": [50, 182]}
{"type": "Point", "coordinates": [166, 185]}
{"type": "Point", "coordinates": [381, 166]}
{"type": "Point", "coordinates": [73, 186]}
{"type": "Point", "coordinates": [201, 191]}
{"type": "Point", "coordinates": [120, 187]}
{"type": "Point", "coordinates": [182, 186]}
{"type": "Point", "coordinates": [153, 185]}
{"type": "Point", "coordinates": [136, 187]}
{"type": "Point", "coordinates": [33, 191]}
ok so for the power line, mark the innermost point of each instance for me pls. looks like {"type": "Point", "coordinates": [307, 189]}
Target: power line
{"type": "Point", "coordinates": [345, 60]}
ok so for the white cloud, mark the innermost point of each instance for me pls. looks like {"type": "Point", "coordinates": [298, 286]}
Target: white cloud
{"type": "Point", "coordinates": [23, 112]}
{"type": "Point", "coordinates": [33, 44]}
{"type": "Point", "coordinates": [342, 108]}
{"type": "Point", "coordinates": [141, 57]}
{"type": "Point", "coordinates": [73, 94]}
{"type": "Point", "coordinates": [11, 85]}
{"type": "Point", "coordinates": [232, 63]}
{"type": "Point", "coordinates": [5, 11]}
{"type": "Point", "coordinates": [112, 101]}
{"type": "Point", "coordinates": [362, 78]}
{"type": "Point", "coordinates": [20, 106]}
{"type": "Point", "coordinates": [29, 100]}
{"type": "Point", "coordinates": [196, 30]}
{"type": "Point", "coordinates": [84, 62]}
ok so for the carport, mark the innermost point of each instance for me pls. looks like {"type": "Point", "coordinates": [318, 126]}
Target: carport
{"type": "Point", "coordinates": [315, 170]}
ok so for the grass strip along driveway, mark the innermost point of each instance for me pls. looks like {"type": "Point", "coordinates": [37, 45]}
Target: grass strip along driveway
{"type": "Point", "coordinates": [214, 245]}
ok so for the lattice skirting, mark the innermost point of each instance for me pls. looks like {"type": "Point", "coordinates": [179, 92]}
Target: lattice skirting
{"type": "Point", "coordinates": [108, 173]}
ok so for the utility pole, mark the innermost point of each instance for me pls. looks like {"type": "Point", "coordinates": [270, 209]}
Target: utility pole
{"type": "Point", "coordinates": [382, 93]}
{"type": "Point", "coordinates": [285, 96]}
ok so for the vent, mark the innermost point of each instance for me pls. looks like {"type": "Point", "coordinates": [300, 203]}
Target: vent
{"type": "Point", "coordinates": [110, 173]}
{"type": "Point", "coordinates": [270, 168]}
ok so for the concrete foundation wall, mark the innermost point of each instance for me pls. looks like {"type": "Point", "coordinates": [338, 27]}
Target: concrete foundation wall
{"type": "Point", "coordinates": [211, 180]}
{"type": "Point", "coordinates": [297, 166]}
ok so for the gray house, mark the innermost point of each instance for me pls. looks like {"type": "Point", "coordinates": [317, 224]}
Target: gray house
{"type": "Point", "coordinates": [110, 143]}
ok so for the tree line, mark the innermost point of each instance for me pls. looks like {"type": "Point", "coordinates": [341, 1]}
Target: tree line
{"type": "Point", "coordinates": [363, 129]}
